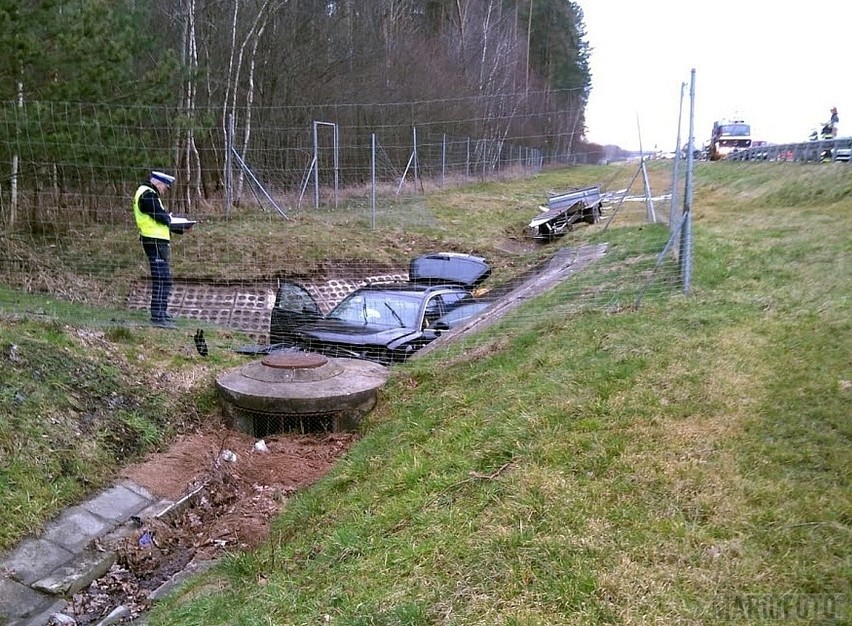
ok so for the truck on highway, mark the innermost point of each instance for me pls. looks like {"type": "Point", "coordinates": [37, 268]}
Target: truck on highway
{"type": "Point", "coordinates": [729, 136]}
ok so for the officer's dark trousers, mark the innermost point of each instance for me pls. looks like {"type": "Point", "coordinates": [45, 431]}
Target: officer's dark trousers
{"type": "Point", "coordinates": [157, 251]}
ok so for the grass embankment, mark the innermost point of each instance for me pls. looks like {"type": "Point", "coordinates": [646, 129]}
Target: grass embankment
{"type": "Point", "coordinates": [77, 403]}
{"type": "Point", "coordinates": [687, 462]}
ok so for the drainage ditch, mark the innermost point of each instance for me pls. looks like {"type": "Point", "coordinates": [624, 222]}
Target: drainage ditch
{"type": "Point", "coordinates": [153, 554]}
{"type": "Point", "coordinates": [226, 508]}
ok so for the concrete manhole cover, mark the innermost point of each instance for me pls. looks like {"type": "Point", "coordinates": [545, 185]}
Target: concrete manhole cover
{"type": "Point", "coordinates": [301, 391]}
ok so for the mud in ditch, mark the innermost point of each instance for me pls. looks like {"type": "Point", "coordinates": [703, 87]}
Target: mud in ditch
{"type": "Point", "coordinates": [221, 506]}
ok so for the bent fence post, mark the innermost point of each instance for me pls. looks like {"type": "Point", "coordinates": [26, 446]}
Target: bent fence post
{"type": "Point", "coordinates": [257, 182]}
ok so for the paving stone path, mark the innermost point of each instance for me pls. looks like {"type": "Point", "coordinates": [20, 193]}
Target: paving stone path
{"type": "Point", "coordinates": [39, 574]}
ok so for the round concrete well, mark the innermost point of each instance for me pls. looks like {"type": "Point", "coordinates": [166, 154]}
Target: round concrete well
{"type": "Point", "coordinates": [299, 391]}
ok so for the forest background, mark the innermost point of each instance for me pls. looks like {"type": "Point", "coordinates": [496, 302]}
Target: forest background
{"type": "Point", "coordinates": [95, 92]}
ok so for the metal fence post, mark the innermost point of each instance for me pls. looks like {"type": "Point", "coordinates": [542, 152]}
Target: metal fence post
{"type": "Point", "coordinates": [416, 164]}
{"type": "Point", "coordinates": [443, 159]}
{"type": "Point", "coordinates": [373, 183]}
{"type": "Point", "coordinates": [686, 233]}
{"type": "Point", "coordinates": [316, 167]}
{"type": "Point", "coordinates": [676, 166]}
{"type": "Point", "coordinates": [650, 215]}
{"type": "Point", "coordinates": [229, 174]}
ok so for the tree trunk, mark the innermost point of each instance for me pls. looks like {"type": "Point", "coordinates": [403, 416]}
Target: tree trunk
{"type": "Point", "coordinates": [190, 161]}
{"type": "Point", "coordinates": [12, 218]}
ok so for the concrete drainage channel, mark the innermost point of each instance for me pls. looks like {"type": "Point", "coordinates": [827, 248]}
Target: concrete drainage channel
{"type": "Point", "coordinates": [114, 555]}
{"type": "Point", "coordinates": [109, 559]}
{"type": "Point", "coordinates": [81, 548]}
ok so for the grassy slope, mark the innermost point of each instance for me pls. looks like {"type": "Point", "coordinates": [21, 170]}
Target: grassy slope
{"type": "Point", "coordinates": [668, 465]}
{"type": "Point", "coordinates": [80, 396]}
{"type": "Point", "coordinates": [665, 465]}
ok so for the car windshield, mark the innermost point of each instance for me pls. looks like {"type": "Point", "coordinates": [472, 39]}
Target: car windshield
{"type": "Point", "coordinates": [393, 309]}
{"type": "Point", "coordinates": [735, 130]}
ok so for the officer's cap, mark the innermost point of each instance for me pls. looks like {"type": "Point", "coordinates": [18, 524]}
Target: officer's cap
{"type": "Point", "coordinates": [164, 178]}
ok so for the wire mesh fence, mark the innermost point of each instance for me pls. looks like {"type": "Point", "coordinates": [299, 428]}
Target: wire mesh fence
{"type": "Point", "coordinates": [73, 239]}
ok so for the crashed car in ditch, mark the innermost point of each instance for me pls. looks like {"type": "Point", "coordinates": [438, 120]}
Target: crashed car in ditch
{"type": "Point", "coordinates": [381, 322]}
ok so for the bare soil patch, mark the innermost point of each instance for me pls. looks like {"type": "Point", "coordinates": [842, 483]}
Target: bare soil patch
{"type": "Point", "coordinates": [237, 489]}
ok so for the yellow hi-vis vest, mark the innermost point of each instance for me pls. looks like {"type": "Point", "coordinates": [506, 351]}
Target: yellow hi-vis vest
{"type": "Point", "coordinates": [148, 226]}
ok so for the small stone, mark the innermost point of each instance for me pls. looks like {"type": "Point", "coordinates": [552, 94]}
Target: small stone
{"type": "Point", "coordinates": [117, 614]}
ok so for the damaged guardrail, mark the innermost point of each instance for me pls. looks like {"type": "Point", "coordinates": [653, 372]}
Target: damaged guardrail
{"type": "Point", "coordinates": [823, 150]}
{"type": "Point", "coordinates": [566, 209]}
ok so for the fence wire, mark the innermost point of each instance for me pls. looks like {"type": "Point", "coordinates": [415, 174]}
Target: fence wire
{"type": "Point", "coordinates": [73, 239]}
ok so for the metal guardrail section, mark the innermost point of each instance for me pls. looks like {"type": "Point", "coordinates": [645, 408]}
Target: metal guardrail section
{"type": "Point", "coordinates": [563, 210]}
{"type": "Point", "coordinates": [589, 196]}
{"type": "Point", "coordinates": [839, 149]}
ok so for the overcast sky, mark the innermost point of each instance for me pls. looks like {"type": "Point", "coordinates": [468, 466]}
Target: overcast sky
{"type": "Point", "coordinates": [778, 68]}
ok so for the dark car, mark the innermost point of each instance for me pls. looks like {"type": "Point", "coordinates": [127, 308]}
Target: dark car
{"type": "Point", "coordinates": [382, 322]}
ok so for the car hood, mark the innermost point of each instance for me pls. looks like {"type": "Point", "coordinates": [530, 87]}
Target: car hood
{"type": "Point", "coordinates": [337, 331]}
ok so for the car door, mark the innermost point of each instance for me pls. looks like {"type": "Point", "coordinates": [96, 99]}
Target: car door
{"type": "Point", "coordinates": [440, 304]}
{"type": "Point", "coordinates": [293, 307]}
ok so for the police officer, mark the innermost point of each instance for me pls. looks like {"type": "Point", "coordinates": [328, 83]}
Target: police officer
{"type": "Point", "coordinates": [154, 222]}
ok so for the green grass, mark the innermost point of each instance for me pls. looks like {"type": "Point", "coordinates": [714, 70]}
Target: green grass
{"type": "Point", "coordinates": [78, 403]}
{"type": "Point", "coordinates": [686, 462]}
